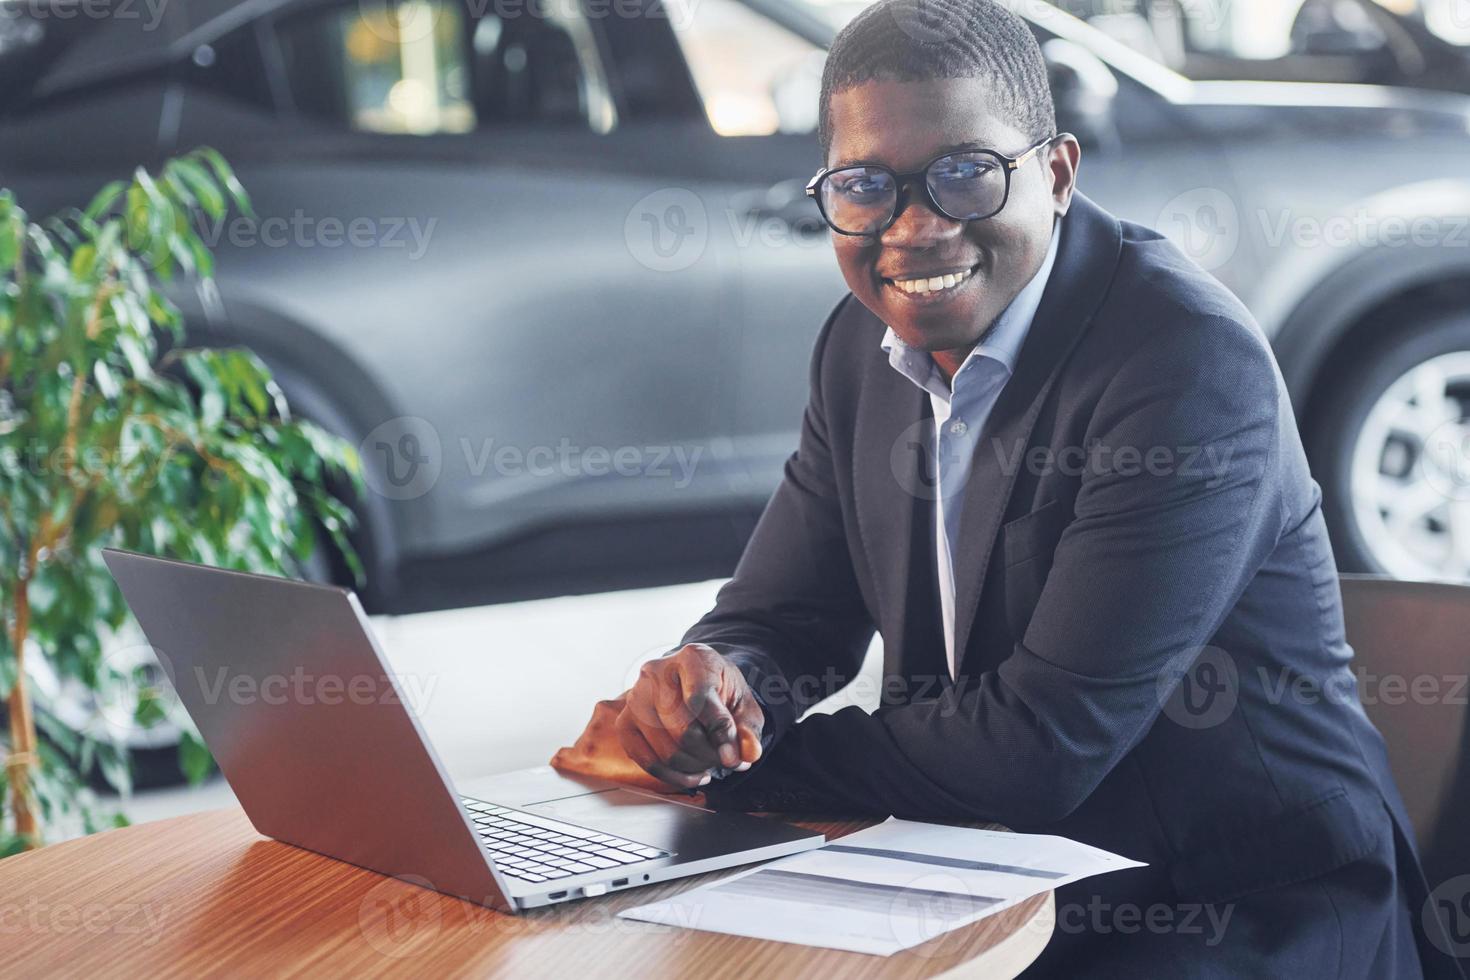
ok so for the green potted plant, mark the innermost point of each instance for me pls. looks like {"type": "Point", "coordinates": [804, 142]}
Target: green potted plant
{"type": "Point", "coordinates": [112, 432]}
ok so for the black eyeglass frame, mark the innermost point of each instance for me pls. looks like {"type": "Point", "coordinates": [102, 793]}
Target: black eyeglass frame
{"type": "Point", "coordinates": [1009, 165]}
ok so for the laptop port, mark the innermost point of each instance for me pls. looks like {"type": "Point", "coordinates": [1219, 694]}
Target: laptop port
{"type": "Point", "coordinates": [620, 882]}
{"type": "Point", "coordinates": [555, 895]}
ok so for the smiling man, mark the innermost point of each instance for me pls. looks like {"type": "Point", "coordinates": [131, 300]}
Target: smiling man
{"type": "Point", "coordinates": [1053, 464]}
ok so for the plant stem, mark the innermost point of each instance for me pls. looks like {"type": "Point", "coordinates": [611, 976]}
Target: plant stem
{"type": "Point", "coordinates": [22, 725]}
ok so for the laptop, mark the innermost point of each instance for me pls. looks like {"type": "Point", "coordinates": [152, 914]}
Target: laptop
{"type": "Point", "coordinates": [290, 690]}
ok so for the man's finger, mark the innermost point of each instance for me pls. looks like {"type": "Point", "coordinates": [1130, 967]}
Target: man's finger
{"type": "Point", "coordinates": [677, 740]}
{"type": "Point", "coordinates": [750, 720]}
{"type": "Point", "coordinates": [641, 752]}
{"type": "Point", "coordinates": [702, 697]}
{"type": "Point", "coordinates": [689, 748]}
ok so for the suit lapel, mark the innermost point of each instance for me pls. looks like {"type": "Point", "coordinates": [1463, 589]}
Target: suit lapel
{"type": "Point", "coordinates": [1087, 258]}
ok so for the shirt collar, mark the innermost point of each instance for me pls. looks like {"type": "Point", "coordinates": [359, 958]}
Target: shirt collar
{"type": "Point", "coordinates": [1002, 343]}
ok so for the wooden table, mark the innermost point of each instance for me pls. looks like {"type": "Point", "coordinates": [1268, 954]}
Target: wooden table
{"type": "Point", "coordinates": [205, 894]}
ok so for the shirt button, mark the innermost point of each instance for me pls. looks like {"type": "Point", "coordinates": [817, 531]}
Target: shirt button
{"type": "Point", "coordinates": [958, 427]}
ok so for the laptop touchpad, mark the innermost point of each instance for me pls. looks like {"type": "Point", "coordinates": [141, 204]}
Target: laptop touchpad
{"type": "Point", "coordinates": [645, 819]}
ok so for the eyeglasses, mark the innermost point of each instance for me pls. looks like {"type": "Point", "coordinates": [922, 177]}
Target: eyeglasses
{"type": "Point", "coordinates": [968, 185]}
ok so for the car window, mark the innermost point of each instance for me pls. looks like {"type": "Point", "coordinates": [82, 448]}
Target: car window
{"type": "Point", "coordinates": [233, 67]}
{"type": "Point", "coordinates": [753, 75]}
{"type": "Point", "coordinates": [1205, 38]}
{"type": "Point", "coordinates": [399, 68]}
{"type": "Point", "coordinates": [21, 40]}
{"type": "Point", "coordinates": [539, 63]}
{"type": "Point", "coordinates": [445, 66]}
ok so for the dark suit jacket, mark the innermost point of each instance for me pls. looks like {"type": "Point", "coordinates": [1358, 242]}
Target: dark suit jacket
{"type": "Point", "coordinates": [1149, 625]}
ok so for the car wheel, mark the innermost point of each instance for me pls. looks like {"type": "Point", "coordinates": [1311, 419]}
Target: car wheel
{"type": "Point", "coordinates": [1392, 451]}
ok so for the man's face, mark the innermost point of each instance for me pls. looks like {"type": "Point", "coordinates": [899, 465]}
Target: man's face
{"type": "Point", "coordinates": [904, 125]}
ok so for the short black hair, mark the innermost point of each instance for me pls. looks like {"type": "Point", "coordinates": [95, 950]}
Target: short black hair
{"type": "Point", "coordinates": [923, 40]}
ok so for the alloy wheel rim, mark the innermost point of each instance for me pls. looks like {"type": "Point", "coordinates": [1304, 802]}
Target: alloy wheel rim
{"type": "Point", "coordinates": [1410, 477]}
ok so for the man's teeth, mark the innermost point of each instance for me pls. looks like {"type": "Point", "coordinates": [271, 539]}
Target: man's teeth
{"type": "Point", "coordinates": [933, 284]}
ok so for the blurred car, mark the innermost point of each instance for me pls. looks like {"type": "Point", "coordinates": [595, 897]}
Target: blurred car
{"type": "Point", "coordinates": [550, 265]}
{"type": "Point", "coordinates": [1382, 42]}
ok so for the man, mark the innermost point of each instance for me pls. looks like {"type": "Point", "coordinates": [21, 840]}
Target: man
{"type": "Point", "coordinates": [1053, 463]}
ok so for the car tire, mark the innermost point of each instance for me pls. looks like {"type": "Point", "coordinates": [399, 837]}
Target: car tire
{"type": "Point", "coordinates": [1389, 447]}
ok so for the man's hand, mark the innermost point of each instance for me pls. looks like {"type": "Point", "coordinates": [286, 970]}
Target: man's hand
{"type": "Point", "coordinates": [689, 713]}
{"type": "Point", "coordinates": [597, 752]}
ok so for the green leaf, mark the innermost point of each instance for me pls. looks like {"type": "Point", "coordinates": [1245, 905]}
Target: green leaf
{"type": "Point", "coordinates": [104, 199]}
{"type": "Point", "coordinates": [227, 177]}
{"type": "Point", "coordinates": [200, 184]}
{"type": "Point", "coordinates": [106, 383]}
{"type": "Point", "coordinates": [83, 261]}
{"type": "Point", "coordinates": [112, 762]}
{"type": "Point", "coordinates": [194, 758]}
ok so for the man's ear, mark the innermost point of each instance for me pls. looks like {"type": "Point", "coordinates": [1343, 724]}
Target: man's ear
{"type": "Point", "coordinates": [1062, 160]}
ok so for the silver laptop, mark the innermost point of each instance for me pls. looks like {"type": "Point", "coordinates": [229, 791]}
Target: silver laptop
{"type": "Point", "coordinates": [287, 685]}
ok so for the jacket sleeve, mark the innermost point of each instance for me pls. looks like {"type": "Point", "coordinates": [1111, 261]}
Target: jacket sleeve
{"type": "Point", "coordinates": [793, 618]}
{"type": "Point", "coordinates": [1143, 577]}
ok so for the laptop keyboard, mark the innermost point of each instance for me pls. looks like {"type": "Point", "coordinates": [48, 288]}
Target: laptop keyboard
{"type": "Point", "coordinates": [536, 849]}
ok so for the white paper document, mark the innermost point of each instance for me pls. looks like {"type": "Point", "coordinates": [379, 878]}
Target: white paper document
{"type": "Point", "coordinates": [884, 889]}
